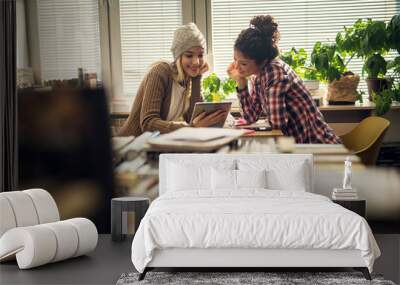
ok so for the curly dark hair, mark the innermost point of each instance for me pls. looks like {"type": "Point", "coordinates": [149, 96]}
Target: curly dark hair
{"type": "Point", "coordinates": [260, 41]}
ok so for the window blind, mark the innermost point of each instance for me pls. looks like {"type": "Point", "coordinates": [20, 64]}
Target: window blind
{"type": "Point", "coordinates": [147, 28]}
{"type": "Point", "coordinates": [69, 38]}
{"type": "Point", "coordinates": [301, 23]}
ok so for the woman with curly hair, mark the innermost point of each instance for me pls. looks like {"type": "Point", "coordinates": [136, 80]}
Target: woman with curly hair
{"type": "Point", "coordinates": [275, 89]}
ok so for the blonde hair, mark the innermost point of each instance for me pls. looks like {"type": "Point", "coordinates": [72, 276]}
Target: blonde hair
{"type": "Point", "coordinates": [180, 76]}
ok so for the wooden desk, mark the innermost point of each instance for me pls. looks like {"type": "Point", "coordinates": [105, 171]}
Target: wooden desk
{"type": "Point", "coordinates": [357, 106]}
{"type": "Point", "coordinates": [266, 134]}
{"type": "Point", "coordinates": [343, 118]}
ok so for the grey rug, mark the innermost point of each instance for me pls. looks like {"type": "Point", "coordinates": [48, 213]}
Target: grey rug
{"type": "Point", "coordinates": [270, 278]}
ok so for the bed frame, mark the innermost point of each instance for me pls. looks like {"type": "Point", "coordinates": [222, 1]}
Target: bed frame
{"type": "Point", "coordinates": [242, 258]}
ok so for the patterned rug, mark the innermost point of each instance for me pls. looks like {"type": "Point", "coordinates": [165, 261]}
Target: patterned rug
{"type": "Point", "coordinates": [242, 278]}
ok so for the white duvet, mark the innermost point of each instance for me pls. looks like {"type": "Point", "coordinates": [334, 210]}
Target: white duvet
{"type": "Point", "coordinates": [250, 219]}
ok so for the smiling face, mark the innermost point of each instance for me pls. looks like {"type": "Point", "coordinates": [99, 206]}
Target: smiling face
{"type": "Point", "coordinates": [192, 60]}
{"type": "Point", "coordinates": [245, 65]}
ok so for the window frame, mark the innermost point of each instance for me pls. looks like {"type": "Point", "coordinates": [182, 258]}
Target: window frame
{"type": "Point", "coordinates": [197, 11]}
{"type": "Point", "coordinates": [323, 86]}
{"type": "Point", "coordinates": [119, 102]}
{"type": "Point", "coordinates": [32, 22]}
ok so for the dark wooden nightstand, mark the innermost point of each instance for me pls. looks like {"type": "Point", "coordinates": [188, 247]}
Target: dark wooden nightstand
{"type": "Point", "coordinates": [357, 206]}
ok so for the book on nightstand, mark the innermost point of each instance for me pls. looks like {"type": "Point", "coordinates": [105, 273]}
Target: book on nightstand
{"type": "Point", "coordinates": [344, 194]}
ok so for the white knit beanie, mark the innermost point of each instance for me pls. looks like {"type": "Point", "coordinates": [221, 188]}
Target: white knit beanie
{"type": "Point", "coordinates": [186, 37]}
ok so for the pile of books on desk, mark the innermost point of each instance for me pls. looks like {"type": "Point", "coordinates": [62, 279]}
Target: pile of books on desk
{"type": "Point", "coordinates": [344, 194]}
{"type": "Point", "coordinates": [194, 139]}
{"type": "Point", "coordinates": [128, 148]}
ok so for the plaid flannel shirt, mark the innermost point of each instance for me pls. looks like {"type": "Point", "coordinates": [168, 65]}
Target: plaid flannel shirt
{"type": "Point", "coordinates": [280, 93]}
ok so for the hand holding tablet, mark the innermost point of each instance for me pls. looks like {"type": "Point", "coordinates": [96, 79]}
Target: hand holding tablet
{"type": "Point", "coordinates": [210, 114]}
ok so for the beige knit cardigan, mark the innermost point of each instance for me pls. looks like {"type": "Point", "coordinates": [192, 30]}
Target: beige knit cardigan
{"type": "Point", "coordinates": [152, 102]}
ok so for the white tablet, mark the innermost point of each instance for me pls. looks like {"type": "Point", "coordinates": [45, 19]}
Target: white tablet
{"type": "Point", "coordinates": [211, 107]}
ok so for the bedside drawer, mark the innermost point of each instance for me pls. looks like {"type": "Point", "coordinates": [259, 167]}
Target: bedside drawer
{"type": "Point", "coordinates": [357, 206]}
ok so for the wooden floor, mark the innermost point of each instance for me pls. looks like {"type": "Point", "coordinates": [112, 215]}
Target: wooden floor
{"type": "Point", "coordinates": [110, 259]}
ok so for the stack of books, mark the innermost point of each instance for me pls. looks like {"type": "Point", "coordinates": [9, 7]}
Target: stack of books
{"type": "Point", "coordinates": [128, 148]}
{"type": "Point", "coordinates": [194, 139]}
{"type": "Point", "coordinates": [344, 194]}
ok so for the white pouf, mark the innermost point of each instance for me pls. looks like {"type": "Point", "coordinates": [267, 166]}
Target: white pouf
{"type": "Point", "coordinates": [45, 205]}
{"type": "Point", "coordinates": [7, 218]}
{"type": "Point", "coordinates": [23, 208]}
{"type": "Point", "coordinates": [31, 232]}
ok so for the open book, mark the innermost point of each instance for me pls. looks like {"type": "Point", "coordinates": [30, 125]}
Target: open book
{"type": "Point", "coordinates": [195, 139]}
{"type": "Point", "coordinates": [260, 125]}
{"type": "Point", "coordinates": [201, 134]}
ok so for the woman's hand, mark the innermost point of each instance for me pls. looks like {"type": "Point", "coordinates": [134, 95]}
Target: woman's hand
{"type": "Point", "coordinates": [233, 73]}
{"type": "Point", "coordinates": [204, 68]}
{"type": "Point", "coordinates": [203, 120]}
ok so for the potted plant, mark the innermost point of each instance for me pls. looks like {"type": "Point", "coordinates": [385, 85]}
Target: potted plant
{"type": "Point", "coordinates": [297, 60]}
{"type": "Point", "coordinates": [384, 98]}
{"type": "Point", "coordinates": [367, 39]}
{"type": "Point", "coordinates": [215, 90]}
{"type": "Point", "coordinates": [394, 67]}
{"type": "Point", "coordinates": [332, 68]}
{"type": "Point", "coordinates": [393, 41]}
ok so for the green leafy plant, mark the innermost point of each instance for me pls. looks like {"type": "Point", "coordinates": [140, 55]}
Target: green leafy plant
{"type": "Point", "coordinates": [396, 91]}
{"type": "Point", "coordinates": [393, 33]}
{"type": "Point", "coordinates": [364, 38]}
{"type": "Point", "coordinates": [349, 40]}
{"type": "Point", "coordinates": [367, 39]}
{"type": "Point", "coordinates": [360, 95]}
{"type": "Point", "coordinates": [297, 60]}
{"type": "Point", "coordinates": [375, 66]}
{"type": "Point", "coordinates": [394, 67]}
{"type": "Point", "coordinates": [215, 90]}
{"type": "Point", "coordinates": [328, 61]}
{"type": "Point", "coordinates": [383, 101]}
{"type": "Point", "coordinates": [311, 74]}
{"type": "Point", "coordinates": [374, 40]}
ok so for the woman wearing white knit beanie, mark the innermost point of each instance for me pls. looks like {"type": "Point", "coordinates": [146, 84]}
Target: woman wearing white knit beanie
{"type": "Point", "coordinates": [166, 97]}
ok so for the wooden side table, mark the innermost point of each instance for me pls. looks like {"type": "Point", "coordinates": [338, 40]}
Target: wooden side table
{"type": "Point", "coordinates": [126, 214]}
{"type": "Point", "coordinates": [357, 206]}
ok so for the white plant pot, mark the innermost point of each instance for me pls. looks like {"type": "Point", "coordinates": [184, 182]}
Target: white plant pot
{"type": "Point", "coordinates": [311, 84]}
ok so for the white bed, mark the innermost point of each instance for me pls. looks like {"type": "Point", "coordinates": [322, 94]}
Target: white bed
{"type": "Point", "coordinates": [202, 219]}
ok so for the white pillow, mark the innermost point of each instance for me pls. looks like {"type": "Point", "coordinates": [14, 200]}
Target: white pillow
{"type": "Point", "coordinates": [223, 179]}
{"type": "Point", "coordinates": [231, 180]}
{"type": "Point", "coordinates": [282, 174]}
{"type": "Point", "coordinates": [251, 178]}
{"type": "Point", "coordinates": [188, 176]}
{"type": "Point", "coordinates": [295, 180]}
